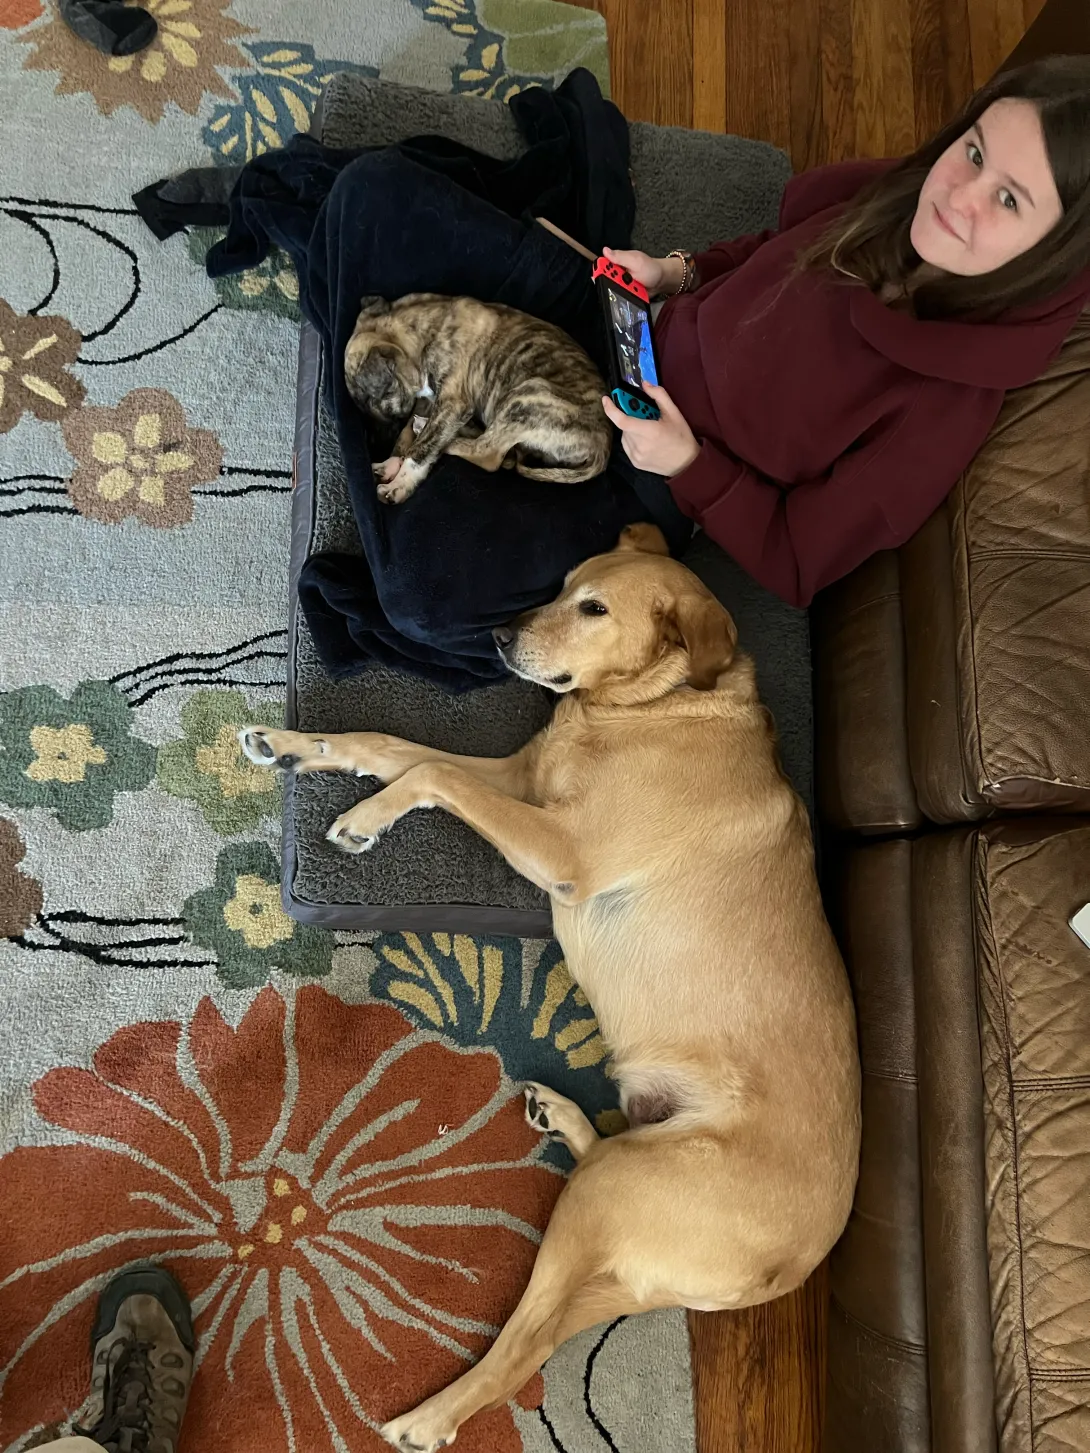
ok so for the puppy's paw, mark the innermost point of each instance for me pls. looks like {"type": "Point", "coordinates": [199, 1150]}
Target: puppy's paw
{"type": "Point", "coordinates": [396, 493]}
{"type": "Point", "coordinates": [387, 470]}
{"type": "Point", "coordinates": [398, 489]}
{"type": "Point", "coordinates": [267, 748]}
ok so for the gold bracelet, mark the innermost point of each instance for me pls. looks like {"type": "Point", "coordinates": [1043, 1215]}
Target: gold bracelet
{"type": "Point", "coordinates": [688, 273]}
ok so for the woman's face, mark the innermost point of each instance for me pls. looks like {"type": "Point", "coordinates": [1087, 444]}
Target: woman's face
{"type": "Point", "coordinates": [990, 196]}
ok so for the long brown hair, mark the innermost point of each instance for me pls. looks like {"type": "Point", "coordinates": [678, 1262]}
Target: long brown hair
{"type": "Point", "coordinates": [870, 242]}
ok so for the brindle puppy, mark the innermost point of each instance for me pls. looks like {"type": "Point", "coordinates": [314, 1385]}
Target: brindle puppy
{"type": "Point", "coordinates": [498, 381]}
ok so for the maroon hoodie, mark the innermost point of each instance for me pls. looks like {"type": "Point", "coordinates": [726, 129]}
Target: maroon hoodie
{"type": "Point", "coordinates": [830, 426]}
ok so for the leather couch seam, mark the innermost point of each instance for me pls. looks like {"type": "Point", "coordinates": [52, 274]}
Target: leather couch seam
{"type": "Point", "coordinates": [901, 1079]}
{"type": "Point", "coordinates": [967, 564]}
{"type": "Point", "coordinates": [916, 1349]}
{"type": "Point", "coordinates": [1016, 554]}
{"type": "Point", "coordinates": [1015, 1163]}
{"type": "Point", "coordinates": [1033, 777]}
{"type": "Point", "coordinates": [869, 604]}
{"type": "Point", "coordinates": [1043, 1084]}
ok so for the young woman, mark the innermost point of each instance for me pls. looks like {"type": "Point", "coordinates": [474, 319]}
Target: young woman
{"type": "Point", "coordinates": [826, 384]}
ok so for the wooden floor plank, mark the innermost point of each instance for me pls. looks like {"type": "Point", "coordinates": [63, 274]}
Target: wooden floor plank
{"type": "Point", "coordinates": [758, 69]}
{"type": "Point", "coordinates": [837, 88]}
{"type": "Point", "coordinates": [710, 65]}
{"type": "Point", "coordinates": [1011, 24]}
{"type": "Point", "coordinates": [869, 111]}
{"type": "Point", "coordinates": [928, 68]}
{"type": "Point", "coordinates": [808, 145]}
{"type": "Point", "coordinates": [759, 1374]}
{"type": "Point", "coordinates": [984, 40]}
{"type": "Point", "coordinates": [898, 100]}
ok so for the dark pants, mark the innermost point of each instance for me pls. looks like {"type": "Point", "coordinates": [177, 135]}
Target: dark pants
{"type": "Point", "coordinates": [469, 550]}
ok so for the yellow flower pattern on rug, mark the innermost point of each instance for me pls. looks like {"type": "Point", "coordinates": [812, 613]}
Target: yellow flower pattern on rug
{"type": "Point", "coordinates": [63, 754]}
{"type": "Point", "coordinates": [255, 912]}
{"type": "Point", "coordinates": [195, 37]}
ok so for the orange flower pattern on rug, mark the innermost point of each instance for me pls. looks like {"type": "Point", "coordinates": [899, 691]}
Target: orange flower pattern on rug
{"type": "Point", "coordinates": [352, 1204]}
{"type": "Point", "coordinates": [14, 14]}
{"type": "Point", "coordinates": [180, 65]}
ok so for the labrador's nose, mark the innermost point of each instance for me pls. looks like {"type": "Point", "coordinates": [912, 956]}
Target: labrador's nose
{"type": "Point", "coordinates": [503, 636]}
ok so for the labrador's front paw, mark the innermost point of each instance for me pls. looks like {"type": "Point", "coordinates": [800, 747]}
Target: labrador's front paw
{"type": "Point", "coordinates": [359, 829]}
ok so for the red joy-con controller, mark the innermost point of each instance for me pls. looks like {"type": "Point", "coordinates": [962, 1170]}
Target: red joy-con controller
{"type": "Point", "coordinates": [621, 276]}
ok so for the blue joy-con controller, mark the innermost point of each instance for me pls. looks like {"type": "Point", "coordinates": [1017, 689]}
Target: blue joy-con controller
{"type": "Point", "coordinates": [632, 406]}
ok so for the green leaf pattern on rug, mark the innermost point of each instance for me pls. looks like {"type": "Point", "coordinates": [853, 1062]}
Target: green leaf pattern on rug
{"type": "Point", "coordinates": [513, 44]}
{"type": "Point", "coordinates": [277, 99]}
{"type": "Point", "coordinates": [536, 43]}
{"type": "Point", "coordinates": [208, 768]}
{"type": "Point", "coordinates": [271, 287]}
{"type": "Point", "coordinates": [240, 919]}
{"type": "Point", "coordinates": [70, 755]}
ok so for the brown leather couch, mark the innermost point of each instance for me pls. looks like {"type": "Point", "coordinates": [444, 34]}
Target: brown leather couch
{"type": "Point", "coordinates": [953, 711]}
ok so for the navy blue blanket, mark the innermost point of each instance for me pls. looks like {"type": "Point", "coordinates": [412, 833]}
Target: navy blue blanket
{"type": "Point", "coordinates": [469, 550]}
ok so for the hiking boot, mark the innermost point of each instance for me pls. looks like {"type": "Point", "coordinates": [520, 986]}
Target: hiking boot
{"type": "Point", "coordinates": [142, 1350]}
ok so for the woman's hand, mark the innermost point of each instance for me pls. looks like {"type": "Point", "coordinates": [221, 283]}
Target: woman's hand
{"type": "Point", "coordinates": [658, 274]}
{"type": "Point", "coordinates": [661, 446]}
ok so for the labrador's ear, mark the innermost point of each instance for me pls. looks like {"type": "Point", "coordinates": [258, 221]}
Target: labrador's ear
{"type": "Point", "coordinates": [372, 306]}
{"type": "Point", "coordinates": [706, 630]}
{"type": "Point", "coordinates": [648, 539]}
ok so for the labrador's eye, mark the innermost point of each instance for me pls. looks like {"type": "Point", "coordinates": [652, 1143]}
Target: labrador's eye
{"type": "Point", "coordinates": [592, 608]}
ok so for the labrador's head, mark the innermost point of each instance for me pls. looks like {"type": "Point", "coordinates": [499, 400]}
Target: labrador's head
{"type": "Point", "coordinates": [379, 374]}
{"type": "Point", "coordinates": [634, 613]}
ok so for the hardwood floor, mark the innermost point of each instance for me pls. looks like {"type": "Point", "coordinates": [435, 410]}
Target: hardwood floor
{"type": "Point", "coordinates": [826, 80]}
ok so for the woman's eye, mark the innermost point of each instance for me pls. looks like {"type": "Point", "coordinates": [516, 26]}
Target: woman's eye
{"type": "Point", "coordinates": [1008, 200]}
{"type": "Point", "coordinates": [975, 155]}
{"type": "Point", "coordinates": [592, 608]}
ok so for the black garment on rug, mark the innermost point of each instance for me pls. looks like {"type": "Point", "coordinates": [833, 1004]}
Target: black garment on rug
{"type": "Point", "coordinates": [469, 550]}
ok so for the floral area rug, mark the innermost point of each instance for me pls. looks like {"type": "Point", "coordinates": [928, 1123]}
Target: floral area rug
{"type": "Point", "coordinates": [320, 1133]}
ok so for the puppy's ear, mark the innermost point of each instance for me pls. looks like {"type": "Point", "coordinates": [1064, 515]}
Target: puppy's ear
{"type": "Point", "coordinates": [706, 630]}
{"type": "Point", "coordinates": [369, 374]}
{"type": "Point", "coordinates": [648, 539]}
{"type": "Point", "coordinates": [373, 306]}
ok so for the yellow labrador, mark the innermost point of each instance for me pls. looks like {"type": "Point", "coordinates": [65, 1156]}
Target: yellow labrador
{"type": "Point", "coordinates": [679, 862]}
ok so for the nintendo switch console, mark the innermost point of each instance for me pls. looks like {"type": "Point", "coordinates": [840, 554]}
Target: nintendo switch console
{"type": "Point", "coordinates": [626, 309]}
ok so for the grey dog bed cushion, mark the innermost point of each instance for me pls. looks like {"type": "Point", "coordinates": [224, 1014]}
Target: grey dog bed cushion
{"type": "Point", "coordinates": [431, 873]}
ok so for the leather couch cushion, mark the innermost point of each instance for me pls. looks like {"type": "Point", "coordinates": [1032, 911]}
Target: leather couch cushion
{"type": "Point", "coordinates": [1019, 529]}
{"type": "Point", "coordinates": [953, 677]}
{"type": "Point", "coordinates": [877, 1395]}
{"type": "Point", "coordinates": [862, 776]}
{"type": "Point", "coordinates": [1034, 990]}
{"type": "Point", "coordinates": [959, 1312]}
{"type": "Point", "coordinates": [960, 1316]}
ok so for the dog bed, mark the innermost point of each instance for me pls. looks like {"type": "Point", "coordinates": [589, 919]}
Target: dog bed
{"type": "Point", "coordinates": [431, 873]}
